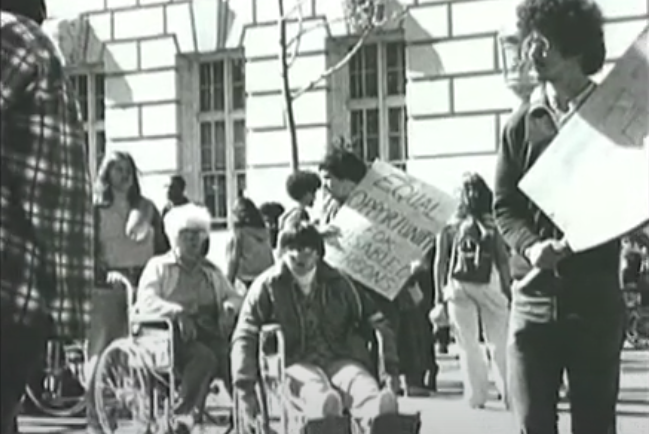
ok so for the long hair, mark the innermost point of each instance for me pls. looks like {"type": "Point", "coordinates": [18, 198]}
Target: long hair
{"type": "Point", "coordinates": [246, 214]}
{"type": "Point", "coordinates": [476, 198]}
{"type": "Point", "coordinates": [103, 192]}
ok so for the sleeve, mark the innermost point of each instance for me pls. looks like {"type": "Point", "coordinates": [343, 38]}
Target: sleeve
{"type": "Point", "coordinates": [510, 204]}
{"type": "Point", "coordinates": [442, 261]}
{"type": "Point", "coordinates": [232, 256]}
{"type": "Point", "coordinates": [149, 299]}
{"type": "Point", "coordinates": [160, 241]}
{"type": "Point", "coordinates": [502, 263]}
{"type": "Point", "coordinates": [227, 293]}
{"type": "Point", "coordinates": [371, 315]}
{"type": "Point", "coordinates": [245, 339]}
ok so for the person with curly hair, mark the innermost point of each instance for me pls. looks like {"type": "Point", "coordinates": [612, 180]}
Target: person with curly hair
{"type": "Point", "coordinates": [571, 317]}
{"type": "Point", "coordinates": [302, 187]}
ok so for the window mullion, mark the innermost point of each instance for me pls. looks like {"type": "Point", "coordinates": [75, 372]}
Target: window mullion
{"type": "Point", "coordinates": [230, 176]}
{"type": "Point", "coordinates": [383, 112]}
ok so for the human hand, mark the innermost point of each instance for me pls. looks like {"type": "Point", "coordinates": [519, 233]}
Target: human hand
{"type": "Point", "coordinates": [416, 266]}
{"type": "Point", "coordinates": [114, 277]}
{"type": "Point", "coordinates": [187, 327]}
{"type": "Point", "coordinates": [330, 231]}
{"type": "Point", "coordinates": [229, 309]}
{"type": "Point", "coordinates": [546, 254]}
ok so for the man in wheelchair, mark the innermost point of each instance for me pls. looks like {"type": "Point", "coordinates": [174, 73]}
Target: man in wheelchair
{"type": "Point", "coordinates": [186, 287]}
{"type": "Point", "coordinates": [324, 321]}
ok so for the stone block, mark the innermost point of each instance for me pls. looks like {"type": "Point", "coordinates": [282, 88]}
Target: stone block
{"type": "Point", "coordinates": [101, 26]}
{"type": "Point", "coordinates": [160, 119]}
{"type": "Point", "coordinates": [620, 35]}
{"type": "Point", "coordinates": [311, 108]}
{"type": "Point", "coordinates": [263, 41]}
{"type": "Point", "coordinates": [266, 148]}
{"type": "Point", "coordinates": [625, 8]}
{"type": "Point", "coordinates": [466, 55]}
{"type": "Point", "coordinates": [479, 17]}
{"type": "Point", "coordinates": [120, 57]}
{"type": "Point", "coordinates": [452, 135]}
{"type": "Point", "coordinates": [479, 93]}
{"type": "Point", "coordinates": [264, 75]}
{"type": "Point", "coordinates": [158, 53]}
{"type": "Point", "coordinates": [207, 23]}
{"type": "Point", "coordinates": [179, 23]}
{"type": "Point", "coordinates": [426, 22]}
{"type": "Point", "coordinates": [446, 173]}
{"type": "Point", "coordinates": [264, 111]}
{"type": "Point", "coordinates": [138, 23]}
{"type": "Point", "coordinates": [72, 9]}
{"type": "Point", "coordinates": [141, 87]}
{"type": "Point", "coordinates": [423, 61]}
{"type": "Point", "coordinates": [150, 155]}
{"type": "Point", "coordinates": [153, 2]}
{"type": "Point", "coordinates": [122, 123]}
{"type": "Point", "coordinates": [117, 4]}
{"type": "Point", "coordinates": [428, 97]}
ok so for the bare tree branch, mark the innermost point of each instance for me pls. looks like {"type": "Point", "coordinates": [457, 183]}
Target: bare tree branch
{"type": "Point", "coordinates": [357, 46]}
{"type": "Point", "coordinates": [322, 23]}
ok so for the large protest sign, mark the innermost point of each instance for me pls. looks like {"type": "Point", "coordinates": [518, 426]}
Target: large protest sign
{"type": "Point", "coordinates": [389, 220]}
{"type": "Point", "coordinates": [593, 180]}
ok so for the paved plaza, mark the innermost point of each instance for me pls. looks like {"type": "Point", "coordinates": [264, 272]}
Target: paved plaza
{"type": "Point", "coordinates": [445, 412]}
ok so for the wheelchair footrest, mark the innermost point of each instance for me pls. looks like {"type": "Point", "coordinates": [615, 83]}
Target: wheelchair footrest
{"type": "Point", "coordinates": [396, 424]}
{"type": "Point", "coordinates": [328, 425]}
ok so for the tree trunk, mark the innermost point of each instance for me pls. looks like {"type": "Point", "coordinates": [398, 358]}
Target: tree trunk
{"type": "Point", "coordinates": [286, 88]}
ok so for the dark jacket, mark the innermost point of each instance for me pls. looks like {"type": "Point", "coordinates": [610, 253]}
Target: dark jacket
{"type": "Point", "coordinates": [527, 134]}
{"type": "Point", "coordinates": [348, 316]}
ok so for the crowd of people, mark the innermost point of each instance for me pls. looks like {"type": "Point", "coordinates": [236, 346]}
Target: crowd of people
{"type": "Point", "coordinates": [60, 237]}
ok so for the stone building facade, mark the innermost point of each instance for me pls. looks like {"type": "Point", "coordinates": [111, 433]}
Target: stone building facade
{"type": "Point", "coordinates": [194, 87]}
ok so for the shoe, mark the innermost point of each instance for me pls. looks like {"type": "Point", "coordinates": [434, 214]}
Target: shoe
{"type": "Point", "coordinates": [387, 402]}
{"type": "Point", "coordinates": [183, 424]}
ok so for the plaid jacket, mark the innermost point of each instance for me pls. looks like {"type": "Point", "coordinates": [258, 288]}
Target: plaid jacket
{"type": "Point", "coordinates": [46, 231]}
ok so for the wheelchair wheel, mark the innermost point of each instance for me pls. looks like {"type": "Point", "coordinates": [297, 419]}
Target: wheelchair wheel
{"type": "Point", "coordinates": [123, 389]}
{"type": "Point", "coordinates": [59, 390]}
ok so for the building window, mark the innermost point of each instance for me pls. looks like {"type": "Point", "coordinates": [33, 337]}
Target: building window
{"type": "Point", "coordinates": [222, 134]}
{"type": "Point", "coordinates": [377, 106]}
{"type": "Point", "coordinates": [90, 91]}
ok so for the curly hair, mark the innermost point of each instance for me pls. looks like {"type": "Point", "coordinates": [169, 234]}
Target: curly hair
{"type": "Point", "coordinates": [575, 27]}
{"type": "Point", "coordinates": [344, 165]}
{"type": "Point", "coordinates": [301, 183]}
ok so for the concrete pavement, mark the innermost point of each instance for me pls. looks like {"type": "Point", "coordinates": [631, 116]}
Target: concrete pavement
{"type": "Point", "coordinates": [446, 413]}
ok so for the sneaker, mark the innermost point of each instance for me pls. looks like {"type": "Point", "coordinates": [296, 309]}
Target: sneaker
{"type": "Point", "coordinates": [387, 402]}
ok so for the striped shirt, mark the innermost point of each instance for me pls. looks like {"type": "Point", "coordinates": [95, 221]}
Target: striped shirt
{"type": "Point", "coordinates": [46, 231]}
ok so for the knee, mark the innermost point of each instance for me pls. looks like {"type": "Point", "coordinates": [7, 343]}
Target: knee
{"type": "Point", "coordinates": [201, 359]}
{"type": "Point", "coordinates": [319, 404]}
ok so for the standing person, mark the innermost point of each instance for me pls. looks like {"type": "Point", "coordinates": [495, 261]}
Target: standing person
{"type": "Point", "coordinates": [302, 187]}
{"type": "Point", "coordinates": [176, 197]}
{"type": "Point", "coordinates": [128, 234]}
{"type": "Point", "coordinates": [571, 318]}
{"type": "Point", "coordinates": [248, 251]}
{"type": "Point", "coordinates": [271, 212]}
{"type": "Point", "coordinates": [46, 231]}
{"type": "Point", "coordinates": [471, 268]}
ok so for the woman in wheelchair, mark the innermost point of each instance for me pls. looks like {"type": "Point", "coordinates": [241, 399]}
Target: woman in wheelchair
{"type": "Point", "coordinates": [188, 288]}
{"type": "Point", "coordinates": [324, 321]}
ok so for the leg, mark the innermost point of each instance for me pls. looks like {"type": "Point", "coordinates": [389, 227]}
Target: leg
{"type": "Point", "coordinates": [494, 316]}
{"type": "Point", "coordinates": [21, 351]}
{"type": "Point", "coordinates": [535, 367]}
{"type": "Point", "coordinates": [360, 390]}
{"type": "Point", "coordinates": [463, 313]}
{"type": "Point", "coordinates": [198, 364]}
{"type": "Point", "coordinates": [311, 387]}
{"type": "Point", "coordinates": [593, 364]}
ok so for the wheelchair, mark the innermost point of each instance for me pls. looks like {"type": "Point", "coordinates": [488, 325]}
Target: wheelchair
{"type": "Point", "coordinates": [280, 413]}
{"type": "Point", "coordinates": [135, 380]}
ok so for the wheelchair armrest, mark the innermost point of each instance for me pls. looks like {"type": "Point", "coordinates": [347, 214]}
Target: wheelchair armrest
{"type": "Point", "coordinates": [271, 340]}
{"type": "Point", "coordinates": [380, 353]}
{"type": "Point", "coordinates": [144, 319]}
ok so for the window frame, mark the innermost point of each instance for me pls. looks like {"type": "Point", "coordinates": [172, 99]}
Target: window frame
{"type": "Point", "coordinates": [383, 102]}
{"type": "Point", "coordinates": [92, 125]}
{"type": "Point", "coordinates": [190, 153]}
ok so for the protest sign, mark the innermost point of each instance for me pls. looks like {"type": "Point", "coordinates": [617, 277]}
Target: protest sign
{"type": "Point", "coordinates": [389, 220]}
{"type": "Point", "coordinates": [593, 180]}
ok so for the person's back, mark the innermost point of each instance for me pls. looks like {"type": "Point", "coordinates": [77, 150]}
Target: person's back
{"type": "Point", "coordinates": [46, 227]}
{"type": "Point", "coordinates": [256, 252]}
